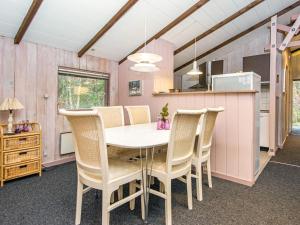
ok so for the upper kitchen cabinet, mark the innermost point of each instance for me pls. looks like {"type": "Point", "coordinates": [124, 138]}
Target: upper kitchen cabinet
{"type": "Point", "coordinates": [259, 64]}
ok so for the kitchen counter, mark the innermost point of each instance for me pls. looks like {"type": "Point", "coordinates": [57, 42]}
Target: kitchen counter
{"type": "Point", "coordinates": [203, 92]}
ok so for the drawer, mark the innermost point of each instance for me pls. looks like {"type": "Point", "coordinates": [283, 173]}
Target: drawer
{"type": "Point", "coordinates": [21, 170]}
{"type": "Point", "coordinates": [21, 156]}
{"type": "Point", "coordinates": [29, 141]}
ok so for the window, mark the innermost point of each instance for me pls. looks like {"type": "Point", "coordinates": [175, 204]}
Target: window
{"type": "Point", "coordinates": [79, 89]}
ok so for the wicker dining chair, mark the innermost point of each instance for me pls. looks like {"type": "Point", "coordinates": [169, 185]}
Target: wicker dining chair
{"type": "Point", "coordinates": [138, 114]}
{"type": "Point", "coordinates": [176, 162]}
{"type": "Point", "coordinates": [94, 168]}
{"type": "Point", "coordinates": [202, 148]}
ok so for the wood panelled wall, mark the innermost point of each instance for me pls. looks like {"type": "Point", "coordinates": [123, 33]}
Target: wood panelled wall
{"type": "Point", "coordinates": [28, 71]}
{"type": "Point", "coordinates": [233, 151]}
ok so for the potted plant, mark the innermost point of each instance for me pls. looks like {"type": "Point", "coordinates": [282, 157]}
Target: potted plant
{"type": "Point", "coordinates": [163, 122]}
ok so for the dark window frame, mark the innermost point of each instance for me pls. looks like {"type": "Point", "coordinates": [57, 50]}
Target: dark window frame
{"type": "Point", "coordinates": [72, 72]}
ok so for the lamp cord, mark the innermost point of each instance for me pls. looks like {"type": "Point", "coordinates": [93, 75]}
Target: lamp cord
{"type": "Point", "coordinates": [195, 48]}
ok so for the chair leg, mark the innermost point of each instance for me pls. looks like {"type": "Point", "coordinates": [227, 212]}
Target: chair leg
{"type": "Point", "coordinates": [168, 203]}
{"type": "Point", "coordinates": [161, 187]}
{"type": "Point", "coordinates": [152, 181]}
{"type": "Point", "coordinates": [105, 204]}
{"type": "Point", "coordinates": [120, 193]}
{"type": "Point", "coordinates": [209, 173]}
{"type": "Point", "coordinates": [132, 190]}
{"type": "Point", "coordinates": [199, 182]}
{"type": "Point", "coordinates": [189, 190]}
{"type": "Point", "coordinates": [143, 206]}
{"type": "Point", "coordinates": [112, 197]}
{"type": "Point", "coordinates": [79, 202]}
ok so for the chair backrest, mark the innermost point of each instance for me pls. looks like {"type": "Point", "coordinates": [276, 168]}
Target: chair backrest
{"type": "Point", "coordinates": [207, 124]}
{"type": "Point", "coordinates": [138, 114]}
{"type": "Point", "coordinates": [112, 116]}
{"type": "Point", "coordinates": [182, 137]}
{"type": "Point", "coordinates": [89, 141]}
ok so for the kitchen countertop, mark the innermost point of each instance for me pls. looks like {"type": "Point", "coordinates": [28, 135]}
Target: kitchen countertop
{"type": "Point", "coordinates": [203, 92]}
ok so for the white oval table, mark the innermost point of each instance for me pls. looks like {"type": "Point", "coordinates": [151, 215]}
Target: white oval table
{"type": "Point", "coordinates": [136, 136]}
{"type": "Point", "coordinates": [143, 137]}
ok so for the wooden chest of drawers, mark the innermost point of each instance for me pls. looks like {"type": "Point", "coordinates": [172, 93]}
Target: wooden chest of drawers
{"type": "Point", "coordinates": [20, 154]}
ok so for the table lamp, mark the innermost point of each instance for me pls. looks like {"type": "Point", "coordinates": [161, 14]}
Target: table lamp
{"type": "Point", "coordinates": [10, 104]}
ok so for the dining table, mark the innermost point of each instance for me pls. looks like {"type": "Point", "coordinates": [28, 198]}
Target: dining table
{"type": "Point", "coordinates": [144, 138]}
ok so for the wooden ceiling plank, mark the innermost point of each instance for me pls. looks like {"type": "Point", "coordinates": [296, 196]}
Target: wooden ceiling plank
{"type": "Point", "coordinates": [35, 5]}
{"type": "Point", "coordinates": [107, 26]}
{"type": "Point", "coordinates": [261, 23]}
{"type": "Point", "coordinates": [219, 25]}
{"type": "Point", "coordinates": [183, 16]}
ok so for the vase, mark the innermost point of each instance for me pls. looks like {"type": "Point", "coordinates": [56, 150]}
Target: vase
{"type": "Point", "coordinates": [159, 125]}
{"type": "Point", "coordinates": [167, 124]}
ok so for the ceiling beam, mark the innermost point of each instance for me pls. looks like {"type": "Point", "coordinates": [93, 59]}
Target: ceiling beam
{"type": "Point", "coordinates": [107, 26]}
{"type": "Point", "coordinates": [35, 5]}
{"type": "Point", "coordinates": [219, 25]}
{"type": "Point", "coordinates": [184, 15]}
{"type": "Point", "coordinates": [254, 27]}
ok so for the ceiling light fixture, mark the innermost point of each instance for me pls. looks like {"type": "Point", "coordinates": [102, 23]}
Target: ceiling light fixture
{"type": "Point", "coordinates": [195, 70]}
{"type": "Point", "coordinates": [144, 61]}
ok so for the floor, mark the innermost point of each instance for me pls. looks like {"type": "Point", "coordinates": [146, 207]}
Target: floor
{"type": "Point", "coordinates": [50, 200]}
{"type": "Point", "coordinates": [290, 154]}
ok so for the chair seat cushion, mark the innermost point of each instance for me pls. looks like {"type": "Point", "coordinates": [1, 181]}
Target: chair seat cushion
{"type": "Point", "coordinates": [160, 163]}
{"type": "Point", "coordinates": [117, 169]}
{"type": "Point", "coordinates": [123, 153]}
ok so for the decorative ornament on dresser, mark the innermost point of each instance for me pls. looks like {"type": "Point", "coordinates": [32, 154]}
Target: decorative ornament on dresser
{"type": "Point", "coordinates": [10, 104]}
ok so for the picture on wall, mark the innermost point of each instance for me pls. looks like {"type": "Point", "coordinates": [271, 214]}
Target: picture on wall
{"type": "Point", "coordinates": [135, 88]}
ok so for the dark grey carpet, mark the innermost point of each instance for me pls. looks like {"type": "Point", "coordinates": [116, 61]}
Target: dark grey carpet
{"type": "Point", "coordinates": [50, 200]}
{"type": "Point", "coordinates": [291, 151]}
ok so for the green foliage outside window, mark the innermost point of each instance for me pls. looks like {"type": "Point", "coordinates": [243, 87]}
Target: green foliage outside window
{"type": "Point", "coordinates": [76, 92]}
{"type": "Point", "coordinates": [296, 103]}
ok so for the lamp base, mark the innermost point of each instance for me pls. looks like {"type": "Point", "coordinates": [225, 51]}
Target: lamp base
{"type": "Point", "coordinates": [10, 122]}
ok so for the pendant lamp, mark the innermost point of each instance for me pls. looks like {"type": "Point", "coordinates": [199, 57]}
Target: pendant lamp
{"type": "Point", "coordinates": [144, 61]}
{"type": "Point", "coordinates": [195, 70]}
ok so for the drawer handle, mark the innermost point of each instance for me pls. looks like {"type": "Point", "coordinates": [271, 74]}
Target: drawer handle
{"type": "Point", "coordinates": [23, 153]}
{"type": "Point", "coordinates": [23, 139]}
{"type": "Point", "coordinates": [24, 166]}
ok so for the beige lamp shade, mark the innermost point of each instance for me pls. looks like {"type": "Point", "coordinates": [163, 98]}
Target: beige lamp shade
{"type": "Point", "coordinates": [11, 104]}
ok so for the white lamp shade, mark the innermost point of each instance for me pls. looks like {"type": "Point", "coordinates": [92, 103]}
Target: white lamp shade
{"type": "Point", "coordinates": [195, 70]}
{"type": "Point", "coordinates": [144, 67]}
{"type": "Point", "coordinates": [11, 104]}
{"type": "Point", "coordinates": [144, 57]}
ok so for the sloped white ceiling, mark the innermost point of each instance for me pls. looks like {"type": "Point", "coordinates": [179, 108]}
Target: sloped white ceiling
{"type": "Point", "coordinates": [70, 24]}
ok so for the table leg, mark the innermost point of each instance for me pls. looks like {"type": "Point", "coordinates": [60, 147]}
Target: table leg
{"type": "Point", "coordinates": [145, 183]}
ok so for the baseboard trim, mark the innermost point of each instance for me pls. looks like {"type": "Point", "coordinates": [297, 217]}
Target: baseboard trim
{"type": "Point", "coordinates": [263, 167]}
{"type": "Point", "coordinates": [59, 162]}
{"type": "Point", "coordinates": [233, 179]}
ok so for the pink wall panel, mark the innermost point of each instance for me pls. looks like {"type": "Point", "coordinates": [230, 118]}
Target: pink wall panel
{"type": "Point", "coordinates": [221, 136]}
{"type": "Point", "coordinates": [232, 145]}
{"type": "Point", "coordinates": [245, 121]}
{"type": "Point", "coordinates": [29, 71]}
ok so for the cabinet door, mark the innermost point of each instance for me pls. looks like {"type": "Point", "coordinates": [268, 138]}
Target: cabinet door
{"type": "Point", "coordinates": [259, 64]}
